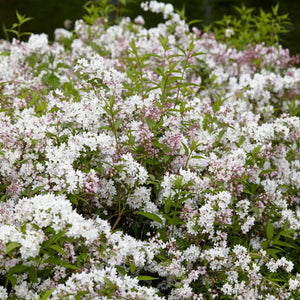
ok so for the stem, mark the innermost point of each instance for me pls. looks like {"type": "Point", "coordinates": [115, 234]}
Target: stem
{"type": "Point", "coordinates": [113, 124]}
{"type": "Point", "coordinates": [183, 71]}
{"type": "Point", "coordinates": [19, 31]}
{"type": "Point", "coordinates": [187, 160]}
{"type": "Point", "coordinates": [119, 218]}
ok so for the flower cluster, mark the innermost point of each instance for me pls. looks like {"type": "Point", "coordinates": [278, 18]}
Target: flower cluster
{"type": "Point", "coordinates": [148, 164]}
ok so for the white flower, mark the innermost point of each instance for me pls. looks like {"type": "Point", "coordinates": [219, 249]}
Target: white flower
{"type": "Point", "coordinates": [139, 20]}
{"type": "Point", "coordinates": [229, 32]}
{"type": "Point", "coordinates": [232, 276]}
{"type": "Point", "coordinates": [3, 293]}
{"type": "Point", "coordinates": [38, 43]}
{"type": "Point", "coordinates": [272, 266]}
{"type": "Point", "coordinates": [243, 258]}
{"type": "Point", "coordinates": [191, 254]}
{"type": "Point", "coordinates": [255, 243]}
{"type": "Point", "coordinates": [264, 133]}
{"type": "Point", "coordinates": [31, 243]}
{"type": "Point", "coordinates": [61, 33]}
{"type": "Point", "coordinates": [94, 280]}
{"type": "Point", "coordinates": [284, 263]}
{"type": "Point", "coordinates": [271, 297]}
{"type": "Point", "coordinates": [227, 289]}
{"type": "Point", "coordinates": [132, 172]}
{"type": "Point", "coordinates": [294, 284]}
{"type": "Point", "coordinates": [140, 196]}
{"type": "Point", "coordinates": [184, 292]}
{"type": "Point", "coordinates": [248, 224]}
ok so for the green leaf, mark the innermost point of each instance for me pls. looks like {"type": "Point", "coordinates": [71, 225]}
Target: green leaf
{"type": "Point", "coordinates": [53, 239]}
{"type": "Point", "coordinates": [256, 210]}
{"type": "Point", "coordinates": [66, 124]}
{"type": "Point", "coordinates": [106, 110]}
{"type": "Point", "coordinates": [115, 112]}
{"type": "Point", "coordinates": [257, 149]}
{"type": "Point", "coordinates": [145, 277]}
{"type": "Point", "coordinates": [51, 80]}
{"type": "Point", "coordinates": [246, 191]}
{"type": "Point", "coordinates": [37, 189]}
{"type": "Point", "coordinates": [166, 158]}
{"type": "Point", "coordinates": [162, 234]}
{"type": "Point", "coordinates": [132, 268]}
{"type": "Point", "coordinates": [47, 295]}
{"type": "Point", "coordinates": [168, 204]}
{"type": "Point", "coordinates": [174, 79]}
{"type": "Point", "coordinates": [194, 145]}
{"type": "Point", "coordinates": [18, 269]}
{"type": "Point", "coordinates": [221, 133]}
{"type": "Point", "coordinates": [12, 31]}
{"type": "Point", "coordinates": [83, 256]}
{"type": "Point", "coordinates": [241, 140]}
{"type": "Point", "coordinates": [288, 233]}
{"type": "Point", "coordinates": [12, 279]}
{"type": "Point", "coordinates": [43, 66]}
{"type": "Point", "coordinates": [69, 266]}
{"type": "Point", "coordinates": [118, 124]}
{"type": "Point", "coordinates": [266, 171]}
{"type": "Point", "coordinates": [284, 244]}
{"type": "Point", "coordinates": [265, 244]}
{"type": "Point", "coordinates": [152, 177]}
{"type": "Point", "coordinates": [62, 65]}
{"type": "Point", "coordinates": [57, 261]}
{"type": "Point", "coordinates": [11, 246]}
{"type": "Point", "coordinates": [270, 230]}
{"type": "Point", "coordinates": [19, 17]}
{"type": "Point", "coordinates": [53, 260]}
{"type": "Point", "coordinates": [3, 198]}
{"type": "Point", "coordinates": [57, 248]}
{"type": "Point", "coordinates": [73, 199]}
{"type": "Point", "coordinates": [108, 281]}
{"type": "Point", "coordinates": [32, 274]}
{"type": "Point", "coordinates": [158, 144]}
{"type": "Point", "coordinates": [23, 228]}
{"type": "Point", "coordinates": [26, 33]}
{"type": "Point", "coordinates": [198, 157]}
{"type": "Point", "coordinates": [151, 216]}
{"type": "Point", "coordinates": [273, 252]}
{"type": "Point", "coordinates": [174, 220]}
{"type": "Point", "coordinates": [121, 270]}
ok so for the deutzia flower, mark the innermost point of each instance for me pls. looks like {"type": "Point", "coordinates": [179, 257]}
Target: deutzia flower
{"type": "Point", "coordinates": [229, 32]}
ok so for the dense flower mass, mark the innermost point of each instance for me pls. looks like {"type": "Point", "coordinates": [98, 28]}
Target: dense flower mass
{"type": "Point", "coordinates": [148, 164]}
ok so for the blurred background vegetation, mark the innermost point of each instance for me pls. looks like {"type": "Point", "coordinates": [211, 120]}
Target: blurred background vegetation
{"type": "Point", "coordinates": [51, 14]}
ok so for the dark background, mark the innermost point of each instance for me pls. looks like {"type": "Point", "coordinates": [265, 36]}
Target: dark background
{"type": "Point", "coordinates": [51, 14]}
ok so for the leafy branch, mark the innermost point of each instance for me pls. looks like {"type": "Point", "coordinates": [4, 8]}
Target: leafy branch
{"type": "Point", "coordinates": [16, 27]}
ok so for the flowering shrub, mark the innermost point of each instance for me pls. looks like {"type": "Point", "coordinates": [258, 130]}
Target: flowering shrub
{"type": "Point", "coordinates": [148, 164]}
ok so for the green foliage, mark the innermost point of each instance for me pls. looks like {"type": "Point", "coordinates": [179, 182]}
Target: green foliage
{"type": "Point", "coordinates": [103, 9]}
{"type": "Point", "coordinates": [248, 28]}
{"type": "Point", "coordinates": [46, 295]}
{"type": "Point", "coordinates": [182, 15]}
{"type": "Point", "coordinates": [96, 9]}
{"type": "Point", "coordinates": [146, 278]}
{"type": "Point", "coordinates": [151, 216]}
{"type": "Point", "coordinates": [16, 27]}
